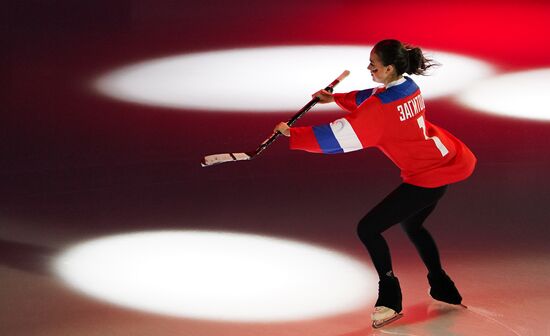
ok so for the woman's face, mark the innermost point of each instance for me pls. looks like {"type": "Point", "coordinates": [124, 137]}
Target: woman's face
{"type": "Point", "coordinates": [379, 72]}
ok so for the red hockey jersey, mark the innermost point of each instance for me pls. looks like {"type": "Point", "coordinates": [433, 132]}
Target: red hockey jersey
{"type": "Point", "coordinates": [393, 120]}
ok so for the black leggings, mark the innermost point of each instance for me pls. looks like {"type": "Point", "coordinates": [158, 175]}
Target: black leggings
{"type": "Point", "coordinates": [409, 205]}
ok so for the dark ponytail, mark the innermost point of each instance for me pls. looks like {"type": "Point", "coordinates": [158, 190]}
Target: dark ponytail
{"type": "Point", "coordinates": [405, 58]}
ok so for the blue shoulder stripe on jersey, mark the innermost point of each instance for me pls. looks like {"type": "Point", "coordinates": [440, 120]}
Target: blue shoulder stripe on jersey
{"type": "Point", "coordinates": [362, 95]}
{"type": "Point", "coordinates": [398, 91]}
{"type": "Point", "coordinates": [326, 139]}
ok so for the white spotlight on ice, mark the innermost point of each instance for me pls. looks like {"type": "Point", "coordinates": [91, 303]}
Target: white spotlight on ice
{"type": "Point", "coordinates": [520, 95]}
{"type": "Point", "coordinates": [268, 78]}
{"type": "Point", "coordinates": [217, 275]}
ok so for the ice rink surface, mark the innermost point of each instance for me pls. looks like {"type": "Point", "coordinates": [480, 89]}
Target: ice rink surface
{"type": "Point", "coordinates": [78, 165]}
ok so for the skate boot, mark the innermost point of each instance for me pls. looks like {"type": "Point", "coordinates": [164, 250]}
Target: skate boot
{"type": "Point", "coordinates": [388, 306]}
{"type": "Point", "coordinates": [442, 288]}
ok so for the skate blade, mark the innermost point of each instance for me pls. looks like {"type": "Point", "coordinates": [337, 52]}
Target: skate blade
{"type": "Point", "coordinates": [381, 323]}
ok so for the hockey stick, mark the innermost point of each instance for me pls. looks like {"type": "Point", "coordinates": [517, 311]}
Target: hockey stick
{"type": "Point", "coordinates": [215, 159]}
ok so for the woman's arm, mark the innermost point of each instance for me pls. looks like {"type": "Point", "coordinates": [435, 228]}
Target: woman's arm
{"type": "Point", "coordinates": [360, 129]}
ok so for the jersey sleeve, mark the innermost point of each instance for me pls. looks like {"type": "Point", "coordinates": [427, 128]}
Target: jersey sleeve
{"type": "Point", "coordinates": [346, 101]}
{"type": "Point", "coordinates": [360, 129]}
{"type": "Point", "coordinates": [351, 100]}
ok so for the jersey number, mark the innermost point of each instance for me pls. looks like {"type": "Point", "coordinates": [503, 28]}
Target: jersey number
{"type": "Point", "coordinates": [444, 151]}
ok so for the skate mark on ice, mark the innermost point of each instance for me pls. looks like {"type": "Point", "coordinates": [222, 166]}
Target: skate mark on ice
{"type": "Point", "coordinates": [396, 333]}
{"type": "Point", "coordinates": [489, 315]}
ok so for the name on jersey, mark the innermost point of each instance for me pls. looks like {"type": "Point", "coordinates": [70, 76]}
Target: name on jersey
{"type": "Point", "coordinates": [410, 108]}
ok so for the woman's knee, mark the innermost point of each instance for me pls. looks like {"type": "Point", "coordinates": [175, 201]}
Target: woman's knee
{"type": "Point", "coordinates": [366, 229]}
{"type": "Point", "coordinates": [410, 231]}
{"type": "Point", "coordinates": [413, 231]}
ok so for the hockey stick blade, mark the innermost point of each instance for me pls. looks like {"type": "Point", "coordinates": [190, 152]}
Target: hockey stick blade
{"type": "Point", "coordinates": [214, 159]}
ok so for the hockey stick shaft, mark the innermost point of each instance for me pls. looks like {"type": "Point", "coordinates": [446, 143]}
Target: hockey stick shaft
{"type": "Point", "coordinates": [300, 113]}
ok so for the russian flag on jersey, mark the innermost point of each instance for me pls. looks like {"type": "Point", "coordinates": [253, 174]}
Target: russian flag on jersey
{"type": "Point", "coordinates": [337, 137]}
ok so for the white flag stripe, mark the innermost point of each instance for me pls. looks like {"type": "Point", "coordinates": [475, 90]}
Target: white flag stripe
{"type": "Point", "coordinates": [345, 135]}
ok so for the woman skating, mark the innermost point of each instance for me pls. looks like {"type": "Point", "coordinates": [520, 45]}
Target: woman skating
{"type": "Point", "coordinates": [392, 118]}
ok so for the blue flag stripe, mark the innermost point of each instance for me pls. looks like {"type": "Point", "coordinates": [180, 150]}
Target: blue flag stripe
{"type": "Point", "coordinates": [326, 139]}
{"type": "Point", "coordinates": [362, 95]}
